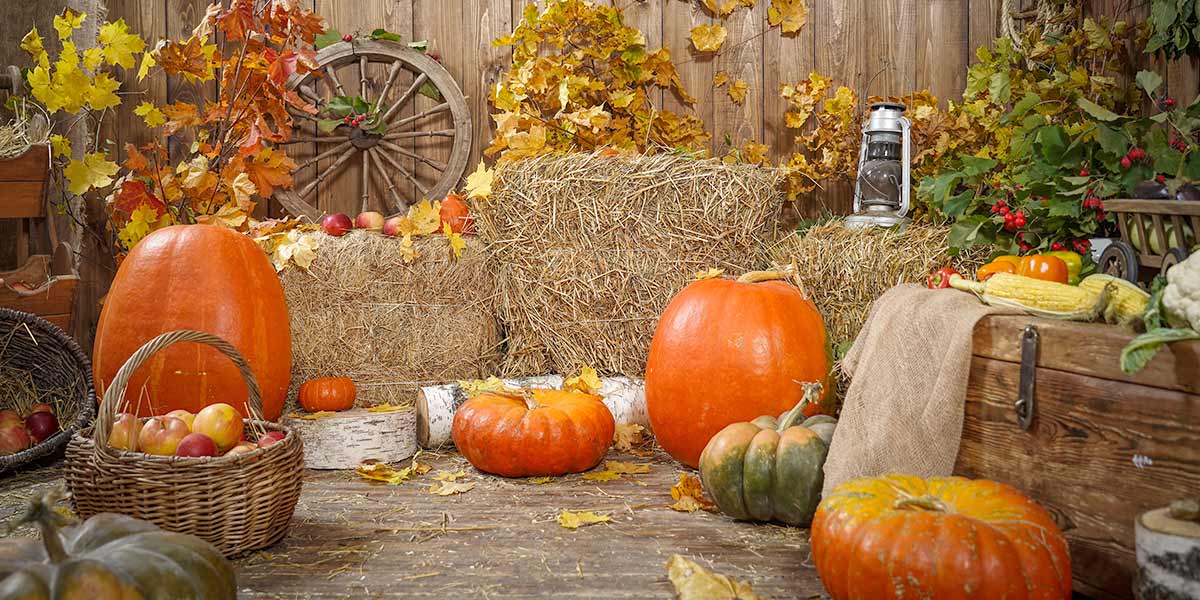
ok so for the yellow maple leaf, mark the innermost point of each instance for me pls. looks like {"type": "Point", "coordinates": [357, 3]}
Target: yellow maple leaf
{"type": "Point", "coordinates": [150, 114]}
{"type": "Point", "coordinates": [426, 217]}
{"type": "Point", "coordinates": [722, 8]}
{"type": "Point", "coordinates": [451, 488]}
{"type": "Point", "coordinates": [102, 94]}
{"type": "Point", "coordinates": [575, 520]}
{"type": "Point", "coordinates": [195, 174]}
{"type": "Point", "coordinates": [689, 495]}
{"type": "Point", "coordinates": [539, 480]}
{"type": "Point", "coordinates": [593, 118]}
{"type": "Point", "coordinates": [60, 145]}
{"type": "Point", "coordinates": [242, 189]}
{"type": "Point", "coordinates": [754, 153]}
{"type": "Point", "coordinates": [142, 221]}
{"type": "Point", "coordinates": [621, 98]}
{"type": "Point", "coordinates": [229, 215]}
{"type": "Point", "coordinates": [720, 79]}
{"type": "Point", "coordinates": [709, 38]}
{"type": "Point", "coordinates": [712, 273]}
{"type": "Point", "coordinates": [92, 57]}
{"type": "Point", "coordinates": [315, 416]}
{"type": "Point", "coordinates": [794, 120]}
{"type": "Point", "coordinates": [295, 247]}
{"type": "Point", "coordinates": [407, 251]}
{"type": "Point", "coordinates": [94, 171]}
{"type": "Point", "coordinates": [479, 183]}
{"type": "Point", "coordinates": [476, 387]}
{"type": "Point", "coordinates": [67, 22]}
{"type": "Point", "coordinates": [457, 243]}
{"type": "Point", "coordinates": [602, 476]}
{"type": "Point", "coordinates": [614, 469]}
{"type": "Point", "coordinates": [587, 382]}
{"type": "Point", "coordinates": [526, 144]}
{"type": "Point", "coordinates": [33, 45]}
{"type": "Point", "coordinates": [119, 45]}
{"type": "Point", "coordinates": [789, 15]}
{"type": "Point", "coordinates": [737, 91]}
{"type": "Point", "coordinates": [148, 62]}
{"type": "Point", "coordinates": [693, 582]}
{"type": "Point", "coordinates": [449, 475]}
{"type": "Point", "coordinates": [389, 407]}
{"type": "Point", "coordinates": [379, 471]}
{"type": "Point", "coordinates": [627, 435]}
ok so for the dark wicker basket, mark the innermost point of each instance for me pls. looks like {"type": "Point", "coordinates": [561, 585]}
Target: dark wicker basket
{"type": "Point", "coordinates": [54, 362]}
{"type": "Point", "coordinates": [236, 503]}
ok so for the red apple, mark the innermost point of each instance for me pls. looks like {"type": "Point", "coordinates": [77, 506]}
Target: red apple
{"type": "Point", "coordinates": [270, 437]}
{"type": "Point", "coordinates": [13, 439]}
{"type": "Point", "coordinates": [392, 227]}
{"type": "Point", "coordinates": [184, 416]}
{"type": "Point", "coordinates": [336, 224]}
{"type": "Point", "coordinates": [10, 417]}
{"type": "Point", "coordinates": [196, 444]}
{"type": "Point", "coordinates": [41, 425]}
{"type": "Point", "coordinates": [42, 407]}
{"type": "Point", "coordinates": [222, 423]}
{"type": "Point", "coordinates": [371, 221]}
{"type": "Point", "coordinates": [241, 448]}
{"type": "Point", "coordinates": [161, 435]}
{"type": "Point", "coordinates": [125, 431]}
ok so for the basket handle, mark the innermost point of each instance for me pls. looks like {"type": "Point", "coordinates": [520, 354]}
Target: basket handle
{"type": "Point", "coordinates": [116, 392]}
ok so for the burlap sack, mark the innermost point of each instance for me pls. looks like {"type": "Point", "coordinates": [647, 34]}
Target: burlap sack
{"type": "Point", "coordinates": [909, 366]}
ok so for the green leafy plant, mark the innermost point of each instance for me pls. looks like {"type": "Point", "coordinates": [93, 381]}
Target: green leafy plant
{"type": "Point", "coordinates": [1175, 28]}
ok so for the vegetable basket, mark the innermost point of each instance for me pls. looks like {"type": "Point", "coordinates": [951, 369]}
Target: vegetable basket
{"type": "Point", "coordinates": [39, 358]}
{"type": "Point", "coordinates": [237, 503]}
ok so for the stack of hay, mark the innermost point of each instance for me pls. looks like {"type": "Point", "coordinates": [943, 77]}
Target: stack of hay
{"type": "Point", "coordinates": [360, 311]}
{"type": "Point", "coordinates": [589, 248]}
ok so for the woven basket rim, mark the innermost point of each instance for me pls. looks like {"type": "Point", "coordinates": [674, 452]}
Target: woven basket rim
{"type": "Point", "coordinates": [87, 412]}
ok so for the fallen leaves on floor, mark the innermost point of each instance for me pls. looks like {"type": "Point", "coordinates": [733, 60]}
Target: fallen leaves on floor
{"type": "Point", "coordinates": [539, 480]}
{"type": "Point", "coordinates": [449, 476]}
{"type": "Point", "coordinates": [380, 471]}
{"type": "Point", "coordinates": [450, 488]}
{"type": "Point", "coordinates": [615, 469]}
{"type": "Point", "coordinates": [575, 520]}
{"type": "Point", "coordinates": [689, 495]}
{"type": "Point", "coordinates": [628, 435]}
{"type": "Point", "coordinates": [693, 582]}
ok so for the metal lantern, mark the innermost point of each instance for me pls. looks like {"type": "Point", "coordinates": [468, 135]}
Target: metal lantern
{"type": "Point", "coordinates": [882, 193]}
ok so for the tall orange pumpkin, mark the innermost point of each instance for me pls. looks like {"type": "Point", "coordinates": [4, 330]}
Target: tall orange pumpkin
{"type": "Point", "coordinates": [199, 277]}
{"type": "Point", "coordinates": [900, 536]}
{"type": "Point", "coordinates": [728, 351]}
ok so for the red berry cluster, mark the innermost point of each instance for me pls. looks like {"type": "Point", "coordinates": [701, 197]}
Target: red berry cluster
{"type": "Point", "coordinates": [355, 121]}
{"type": "Point", "coordinates": [348, 38]}
{"type": "Point", "coordinates": [1135, 154]}
{"type": "Point", "coordinates": [1012, 220]}
{"type": "Point", "coordinates": [1161, 178]}
{"type": "Point", "coordinates": [1179, 144]}
{"type": "Point", "coordinates": [1168, 102]}
{"type": "Point", "coordinates": [1082, 246]}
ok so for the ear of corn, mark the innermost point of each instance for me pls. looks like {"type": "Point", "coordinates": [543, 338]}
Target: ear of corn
{"type": "Point", "coordinates": [1039, 298]}
{"type": "Point", "coordinates": [1127, 302]}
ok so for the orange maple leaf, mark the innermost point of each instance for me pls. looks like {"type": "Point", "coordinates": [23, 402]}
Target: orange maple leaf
{"type": "Point", "coordinates": [133, 195]}
{"type": "Point", "coordinates": [269, 169]}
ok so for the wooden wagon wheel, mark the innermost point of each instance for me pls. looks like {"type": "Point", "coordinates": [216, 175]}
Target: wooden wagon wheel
{"type": "Point", "coordinates": [381, 155]}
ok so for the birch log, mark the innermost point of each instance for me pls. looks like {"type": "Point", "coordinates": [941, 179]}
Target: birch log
{"type": "Point", "coordinates": [436, 404]}
{"type": "Point", "coordinates": [343, 440]}
{"type": "Point", "coordinates": [1168, 556]}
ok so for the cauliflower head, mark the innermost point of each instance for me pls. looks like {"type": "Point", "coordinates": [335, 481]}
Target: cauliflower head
{"type": "Point", "coordinates": [1181, 298]}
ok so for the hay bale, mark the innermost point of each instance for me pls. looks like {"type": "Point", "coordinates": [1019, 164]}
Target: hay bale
{"type": "Point", "coordinates": [591, 248]}
{"type": "Point", "coordinates": [362, 312]}
{"type": "Point", "coordinates": [845, 270]}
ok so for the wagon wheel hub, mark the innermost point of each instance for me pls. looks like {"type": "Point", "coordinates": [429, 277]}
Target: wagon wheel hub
{"type": "Point", "coordinates": [364, 140]}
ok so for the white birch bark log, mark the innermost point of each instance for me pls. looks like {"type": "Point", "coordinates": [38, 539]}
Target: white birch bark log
{"type": "Point", "coordinates": [436, 404]}
{"type": "Point", "coordinates": [1168, 557]}
{"type": "Point", "coordinates": [345, 439]}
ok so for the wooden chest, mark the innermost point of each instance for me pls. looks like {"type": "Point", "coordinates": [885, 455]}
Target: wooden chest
{"type": "Point", "coordinates": [1100, 448]}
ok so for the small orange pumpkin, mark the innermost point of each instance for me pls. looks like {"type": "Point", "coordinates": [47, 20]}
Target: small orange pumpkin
{"type": "Point", "coordinates": [456, 212]}
{"type": "Point", "coordinates": [327, 393]}
{"type": "Point", "coordinates": [533, 432]}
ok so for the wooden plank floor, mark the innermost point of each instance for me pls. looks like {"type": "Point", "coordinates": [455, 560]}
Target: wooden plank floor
{"type": "Point", "coordinates": [352, 538]}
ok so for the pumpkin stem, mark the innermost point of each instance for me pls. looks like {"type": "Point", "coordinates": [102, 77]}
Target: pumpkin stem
{"type": "Point", "coordinates": [41, 513]}
{"type": "Point", "coordinates": [927, 502]}
{"type": "Point", "coordinates": [761, 276]}
{"type": "Point", "coordinates": [812, 395]}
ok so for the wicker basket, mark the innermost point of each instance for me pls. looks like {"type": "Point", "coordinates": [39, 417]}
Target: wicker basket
{"type": "Point", "coordinates": [54, 362]}
{"type": "Point", "coordinates": [237, 503]}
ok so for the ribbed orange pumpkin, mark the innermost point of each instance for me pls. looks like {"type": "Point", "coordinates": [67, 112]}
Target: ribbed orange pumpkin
{"type": "Point", "coordinates": [728, 351]}
{"type": "Point", "coordinates": [535, 432]}
{"type": "Point", "coordinates": [201, 277]}
{"type": "Point", "coordinates": [899, 536]}
{"type": "Point", "coordinates": [327, 393]}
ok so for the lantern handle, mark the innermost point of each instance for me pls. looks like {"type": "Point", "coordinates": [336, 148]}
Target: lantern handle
{"type": "Point", "coordinates": [906, 188]}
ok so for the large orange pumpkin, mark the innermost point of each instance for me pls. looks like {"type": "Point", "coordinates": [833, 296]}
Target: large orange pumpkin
{"type": "Point", "coordinates": [900, 536]}
{"type": "Point", "coordinates": [533, 432]}
{"type": "Point", "coordinates": [728, 351]}
{"type": "Point", "coordinates": [199, 277]}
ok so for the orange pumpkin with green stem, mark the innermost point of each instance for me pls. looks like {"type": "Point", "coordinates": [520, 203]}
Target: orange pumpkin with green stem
{"type": "Point", "coordinates": [533, 432]}
{"type": "Point", "coordinates": [900, 536]}
{"type": "Point", "coordinates": [727, 351]}
{"type": "Point", "coordinates": [327, 393]}
{"type": "Point", "coordinates": [206, 278]}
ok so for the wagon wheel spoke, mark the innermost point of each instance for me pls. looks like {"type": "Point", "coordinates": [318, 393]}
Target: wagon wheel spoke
{"type": "Point", "coordinates": [324, 155]}
{"type": "Point", "coordinates": [419, 134]}
{"type": "Point", "coordinates": [362, 76]}
{"type": "Point", "coordinates": [408, 94]}
{"type": "Point", "coordinates": [366, 182]}
{"type": "Point", "coordinates": [398, 203]}
{"type": "Point", "coordinates": [299, 114]}
{"type": "Point", "coordinates": [331, 78]}
{"type": "Point", "coordinates": [311, 94]}
{"type": "Point", "coordinates": [393, 74]}
{"type": "Point", "coordinates": [399, 167]}
{"type": "Point", "coordinates": [313, 140]}
{"type": "Point", "coordinates": [440, 166]}
{"type": "Point", "coordinates": [323, 175]}
{"type": "Point", "coordinates": [441, 108]}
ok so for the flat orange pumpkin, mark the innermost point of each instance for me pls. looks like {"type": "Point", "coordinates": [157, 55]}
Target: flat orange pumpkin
{"type": "Point", "coordinates": [206, 278]}
{"type": "Point", "coordinates": [728, 351]}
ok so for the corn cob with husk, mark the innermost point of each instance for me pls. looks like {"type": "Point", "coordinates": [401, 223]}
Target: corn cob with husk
{"type": "Point", "coordinates": [1039, 298]}
{"type": "Point", "coordinates": [1126, 303]}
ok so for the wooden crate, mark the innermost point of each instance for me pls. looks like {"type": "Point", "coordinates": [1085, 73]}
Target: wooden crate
{"type": "Point", "coordinates": [46, 286]}
{"type": "Point", "coordinates": [1102, 446]}
{"type": "Point", "coordinates": [23, 179]}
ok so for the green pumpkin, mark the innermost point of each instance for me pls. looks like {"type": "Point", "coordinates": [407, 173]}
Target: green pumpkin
{"type": "Point", "coordinates": [769, 469]}
{"type": "Point", "coordinates": [110, 556]}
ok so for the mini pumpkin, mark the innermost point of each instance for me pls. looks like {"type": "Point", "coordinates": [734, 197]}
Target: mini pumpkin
{"type": "Point", "coordinates": [327, 393]}
{"type": "Point", "coordinates": [901, 536]}
{"type": "Point", "coordinates": [533, 432]}
{"type": "Point", "coordinates": [769, 469]}
{"type": "Point", "coordinates": [110, 556]}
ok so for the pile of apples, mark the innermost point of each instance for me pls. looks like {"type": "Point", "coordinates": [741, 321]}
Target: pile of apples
{"type": "Point", "coordinates": [18, 433]}
{"type": "Point", "coordinates": [454, 211]}
{"type": "Point", "coordinates": [217, 430]}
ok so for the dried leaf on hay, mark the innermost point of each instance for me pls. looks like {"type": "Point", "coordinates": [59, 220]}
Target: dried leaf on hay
{"type": "Point", "coordinates": [492, 384]}
{"type": "Point", "coordinates": [380, 408]}
{"type": "Point", "coordinates": [451, 488]}
{"type": "Point", "coordinates": [313, 416]}
{"type": "Point", "coordinates": [479, 183]}
{"type": "Point", "coordinates": [711, 273]}
{"type": "Point", "coordinates": [689, 495]}
{"type": "Point", "coordinates": [628, 435]}
{"type": "Point", "coordinates": [693, 582]}
{"type": "Point", "coordinates": [587, 382]}
{"type": "Point", "coordinates": [575, 520]}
